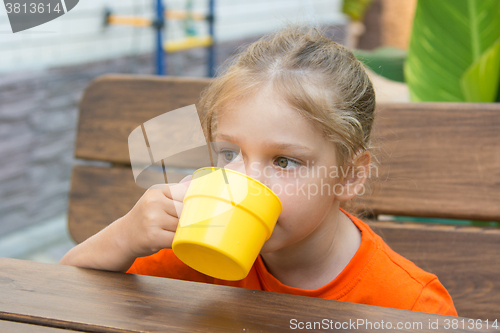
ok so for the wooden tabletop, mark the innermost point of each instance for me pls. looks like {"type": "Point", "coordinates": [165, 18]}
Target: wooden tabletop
{"type": "Point", "coordinates": [71, 298]}
{"type": "Point", "coordinates": [17, 327]}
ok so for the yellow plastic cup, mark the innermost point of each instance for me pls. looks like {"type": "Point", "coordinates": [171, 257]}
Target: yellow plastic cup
{"type": "Point", "coordinates": [226, 218]}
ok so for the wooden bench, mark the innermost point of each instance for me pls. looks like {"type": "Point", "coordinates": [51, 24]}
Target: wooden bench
{"type": "Point", "coordinates": [437, 160]}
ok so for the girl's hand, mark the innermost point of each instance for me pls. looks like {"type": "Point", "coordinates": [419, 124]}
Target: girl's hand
{"type": "Point", "coordinates": [151, 224]}
{"type": "Point", "coordinates": [149, 227]}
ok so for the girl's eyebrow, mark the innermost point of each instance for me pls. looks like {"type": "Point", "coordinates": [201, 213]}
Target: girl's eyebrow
{"type": "Point", "coordinates": [226, 137]}
{"type": "Point", "coordinates": [271, 144]}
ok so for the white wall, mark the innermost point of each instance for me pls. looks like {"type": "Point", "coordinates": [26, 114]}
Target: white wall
{"type": "Point", "coordinates": [79, 36]}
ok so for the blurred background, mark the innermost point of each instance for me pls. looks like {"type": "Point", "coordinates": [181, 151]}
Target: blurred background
{"type": "Point", "coordinates": [44, 71]}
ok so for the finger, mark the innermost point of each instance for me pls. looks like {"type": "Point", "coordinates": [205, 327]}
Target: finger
{"type": "Point", "coordinates": [168, 223]}
{"type": "Point", "coordinates": [156, 200]}
{"type": "Point", "coordinates": [163, 240]}
{"type": "Point", "coordinates": [188, 178]}
{"type": "Point", "coordinates": [172, 208]}
{"type": "Point", "coordinates": [174, 191]}
{"type": "Point", "coordinates": [180, 193]}
{"type": "Point", "coordinates": [177, 191]}
{"type": "Point", "coordinates": [178, 205]}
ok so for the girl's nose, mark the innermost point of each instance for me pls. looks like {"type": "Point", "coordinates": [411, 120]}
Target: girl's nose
{"type": "Point", "coordinates": [236, 166]}
{"type": "Point", "coordinates": [257, 171]}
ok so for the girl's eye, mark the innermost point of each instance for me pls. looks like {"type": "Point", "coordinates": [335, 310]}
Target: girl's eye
{"type": "Point", "coordinates": [228, 155]}
{"type": "Point", "coordinates": [286, 163]}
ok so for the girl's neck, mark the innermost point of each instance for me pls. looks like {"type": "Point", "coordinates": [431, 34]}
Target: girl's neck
{"type": "Point", "coordinates": [320, 257]}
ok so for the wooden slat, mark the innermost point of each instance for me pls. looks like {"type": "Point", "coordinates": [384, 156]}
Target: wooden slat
{"type": "Point", "coordinates": [113, 105]}
{"type": "Point", "coordinates": [438, 160]}
{"type": "Point", "coordinates": [99, 196]}
{"type": "Point", "coordinates": [99, 301]}
{"type": "Point", "coordinates": [466, 259]}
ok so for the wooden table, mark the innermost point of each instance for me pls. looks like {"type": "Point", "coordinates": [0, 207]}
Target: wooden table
{"type": "Point", "coordinates": [17, 327]}
{"type": "Point", "coordinates": [69, 298]}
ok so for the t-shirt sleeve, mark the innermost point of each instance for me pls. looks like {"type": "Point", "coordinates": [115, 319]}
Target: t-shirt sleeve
{"type": "Point", "coordinates": [434, 298]}
{"type": "Point", "coordinates": [165, 264]}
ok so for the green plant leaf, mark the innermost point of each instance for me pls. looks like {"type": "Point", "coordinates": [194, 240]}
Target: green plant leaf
{"type": "Point", "coordinates": [480, 82]}
{"type": "Point", "coordinates": [448, 37]}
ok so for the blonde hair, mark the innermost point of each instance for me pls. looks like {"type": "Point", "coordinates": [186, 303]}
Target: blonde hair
{"type": "Point", "coordinates": [319, 78]}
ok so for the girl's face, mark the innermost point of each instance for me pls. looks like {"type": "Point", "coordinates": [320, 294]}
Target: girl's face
{"type": "Point", "coordinates": [283, 150]}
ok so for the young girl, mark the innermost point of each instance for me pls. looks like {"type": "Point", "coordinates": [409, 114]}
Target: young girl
{"type": "Point", "coordinates": [300, 108]}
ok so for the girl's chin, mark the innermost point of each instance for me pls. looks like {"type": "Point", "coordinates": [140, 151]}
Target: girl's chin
{"type": "Point", "coordinates": [266, 248]}
{"type": "Point", "coordinates": [276, 241]}
{"type": "Point", "coordinates": [269, 246]}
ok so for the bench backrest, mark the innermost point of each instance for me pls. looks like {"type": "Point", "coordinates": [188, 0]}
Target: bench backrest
{"type": "Point", "coordinates": [437, 160]}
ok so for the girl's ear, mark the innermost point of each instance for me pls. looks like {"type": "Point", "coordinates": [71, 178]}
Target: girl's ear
{"type": "Point", "coordinates": [355, 177]}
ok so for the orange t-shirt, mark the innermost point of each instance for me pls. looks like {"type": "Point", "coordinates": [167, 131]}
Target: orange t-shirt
{"type": "Point", "coordinates": [376, 275]}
